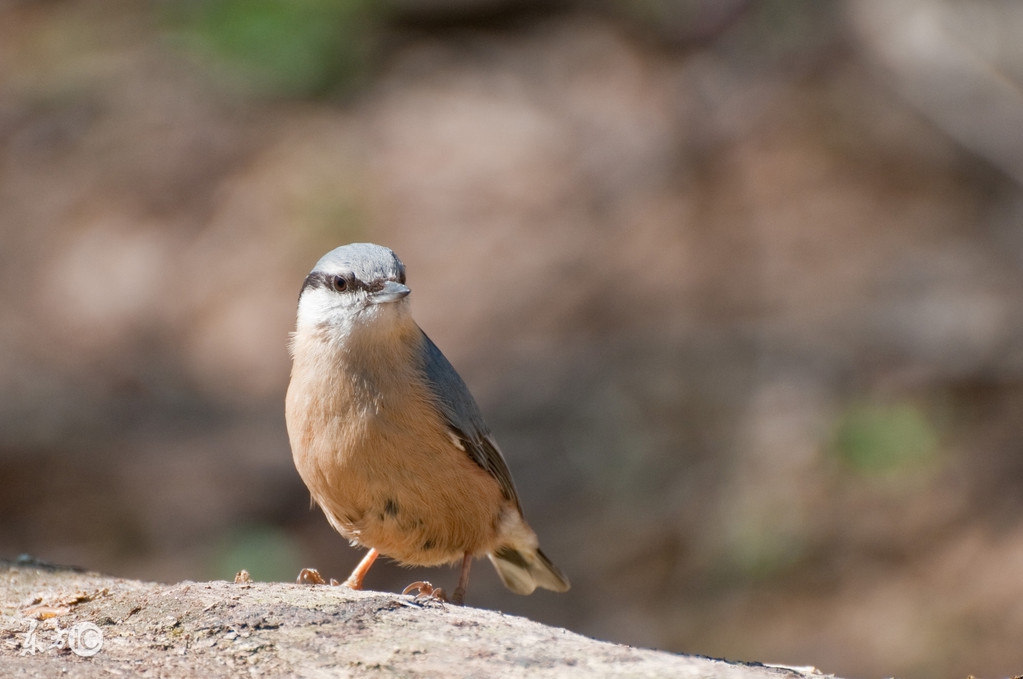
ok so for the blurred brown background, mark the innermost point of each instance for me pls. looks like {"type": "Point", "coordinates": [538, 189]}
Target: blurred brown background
{"type": "Point", "coordinates": [737, 283]}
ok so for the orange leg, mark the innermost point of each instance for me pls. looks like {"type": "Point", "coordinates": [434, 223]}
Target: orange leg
{"type": "Point", "coordinates": [359, 574]}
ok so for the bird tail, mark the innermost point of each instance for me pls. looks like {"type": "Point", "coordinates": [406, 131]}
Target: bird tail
{"type": "Point", "coordinates": [523, 570]}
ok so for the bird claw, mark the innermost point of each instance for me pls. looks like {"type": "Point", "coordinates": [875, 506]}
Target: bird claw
{"type": "Point", "coordinates": [425, 590]}
{"type": "Point", "coordinates": [311, 576]}
{"type": "Point", "coordinates": [422, 588]}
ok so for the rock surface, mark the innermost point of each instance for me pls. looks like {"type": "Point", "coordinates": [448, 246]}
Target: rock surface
{"type": "Point", "coordinates": [214, 629]}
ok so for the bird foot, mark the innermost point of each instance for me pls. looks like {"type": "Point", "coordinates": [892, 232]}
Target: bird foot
{"type": "Point", "coordinates": [424, 589]}
{"type": "Point", "coordinates": [311, 576]}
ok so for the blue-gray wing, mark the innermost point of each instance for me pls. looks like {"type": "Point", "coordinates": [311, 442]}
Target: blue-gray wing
{"type": "Point", "coordinates": [463, 416]}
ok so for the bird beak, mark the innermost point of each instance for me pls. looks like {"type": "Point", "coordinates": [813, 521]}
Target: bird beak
{"type": "Point", "coordinates": [390, 292]}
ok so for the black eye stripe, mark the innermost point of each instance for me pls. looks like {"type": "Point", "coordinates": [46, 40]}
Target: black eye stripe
{"type": "Point", "coordinates": [313, 280]}
{"type": "Point", "coordinates": [318, 279]}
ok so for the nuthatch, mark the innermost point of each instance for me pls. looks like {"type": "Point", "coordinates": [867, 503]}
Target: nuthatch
{"type": "Point", "coordinates": [387, 437]}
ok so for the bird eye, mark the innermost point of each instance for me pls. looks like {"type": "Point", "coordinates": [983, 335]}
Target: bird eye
{"type": "Point", "coordinates": [339, 283]}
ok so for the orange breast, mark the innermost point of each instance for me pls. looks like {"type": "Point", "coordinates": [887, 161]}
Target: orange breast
{"type": "Point", "coordinates": [377, 458]}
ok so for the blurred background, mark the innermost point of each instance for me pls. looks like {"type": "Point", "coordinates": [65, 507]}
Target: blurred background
{"type": "Point", "coordinates": [737, 283]}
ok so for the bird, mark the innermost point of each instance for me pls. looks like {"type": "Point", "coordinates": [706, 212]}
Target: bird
{"type": "Point", "coordinates": [388, 439]}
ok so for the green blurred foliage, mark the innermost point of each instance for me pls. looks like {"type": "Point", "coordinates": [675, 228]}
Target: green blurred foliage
{"type": "Point", "coordinates": [298, 48]}
{"type": "Point", "coordinates": [762, 543]}
{"type": "Point", "coordinates": [266, 552]}
{"type": "Point", "coordinates": [882, 439]}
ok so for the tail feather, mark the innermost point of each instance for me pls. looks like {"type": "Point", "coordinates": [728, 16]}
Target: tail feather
{"type": "Point", "coordinates": [522, 571]}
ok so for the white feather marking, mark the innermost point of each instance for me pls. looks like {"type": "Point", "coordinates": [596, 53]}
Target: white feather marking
{"type": "Point", "coordinates": [456, 440]}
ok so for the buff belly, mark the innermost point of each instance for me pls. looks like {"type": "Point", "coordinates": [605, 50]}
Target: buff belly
{"type": "Point", "coordinates": [420, 505]}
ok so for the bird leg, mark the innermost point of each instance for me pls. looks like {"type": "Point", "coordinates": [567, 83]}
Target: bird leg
{"type": "Point", "coordinates": [359, 574]}
{"type": "Point", "coordinates": [311, 576]}
{"type": "Point", "coordinates": [463, 580]}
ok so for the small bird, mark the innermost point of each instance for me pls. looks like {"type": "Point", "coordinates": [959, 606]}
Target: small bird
{"type": "Point", "coordinates": [388, 439]}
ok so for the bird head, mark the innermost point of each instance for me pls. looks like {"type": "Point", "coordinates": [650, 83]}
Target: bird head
{"type": "Point", "coordinates": [354, 286]}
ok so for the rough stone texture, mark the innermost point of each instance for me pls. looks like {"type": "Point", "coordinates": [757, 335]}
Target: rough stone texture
{"type": "Point", "coordinates": [215, 629]}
